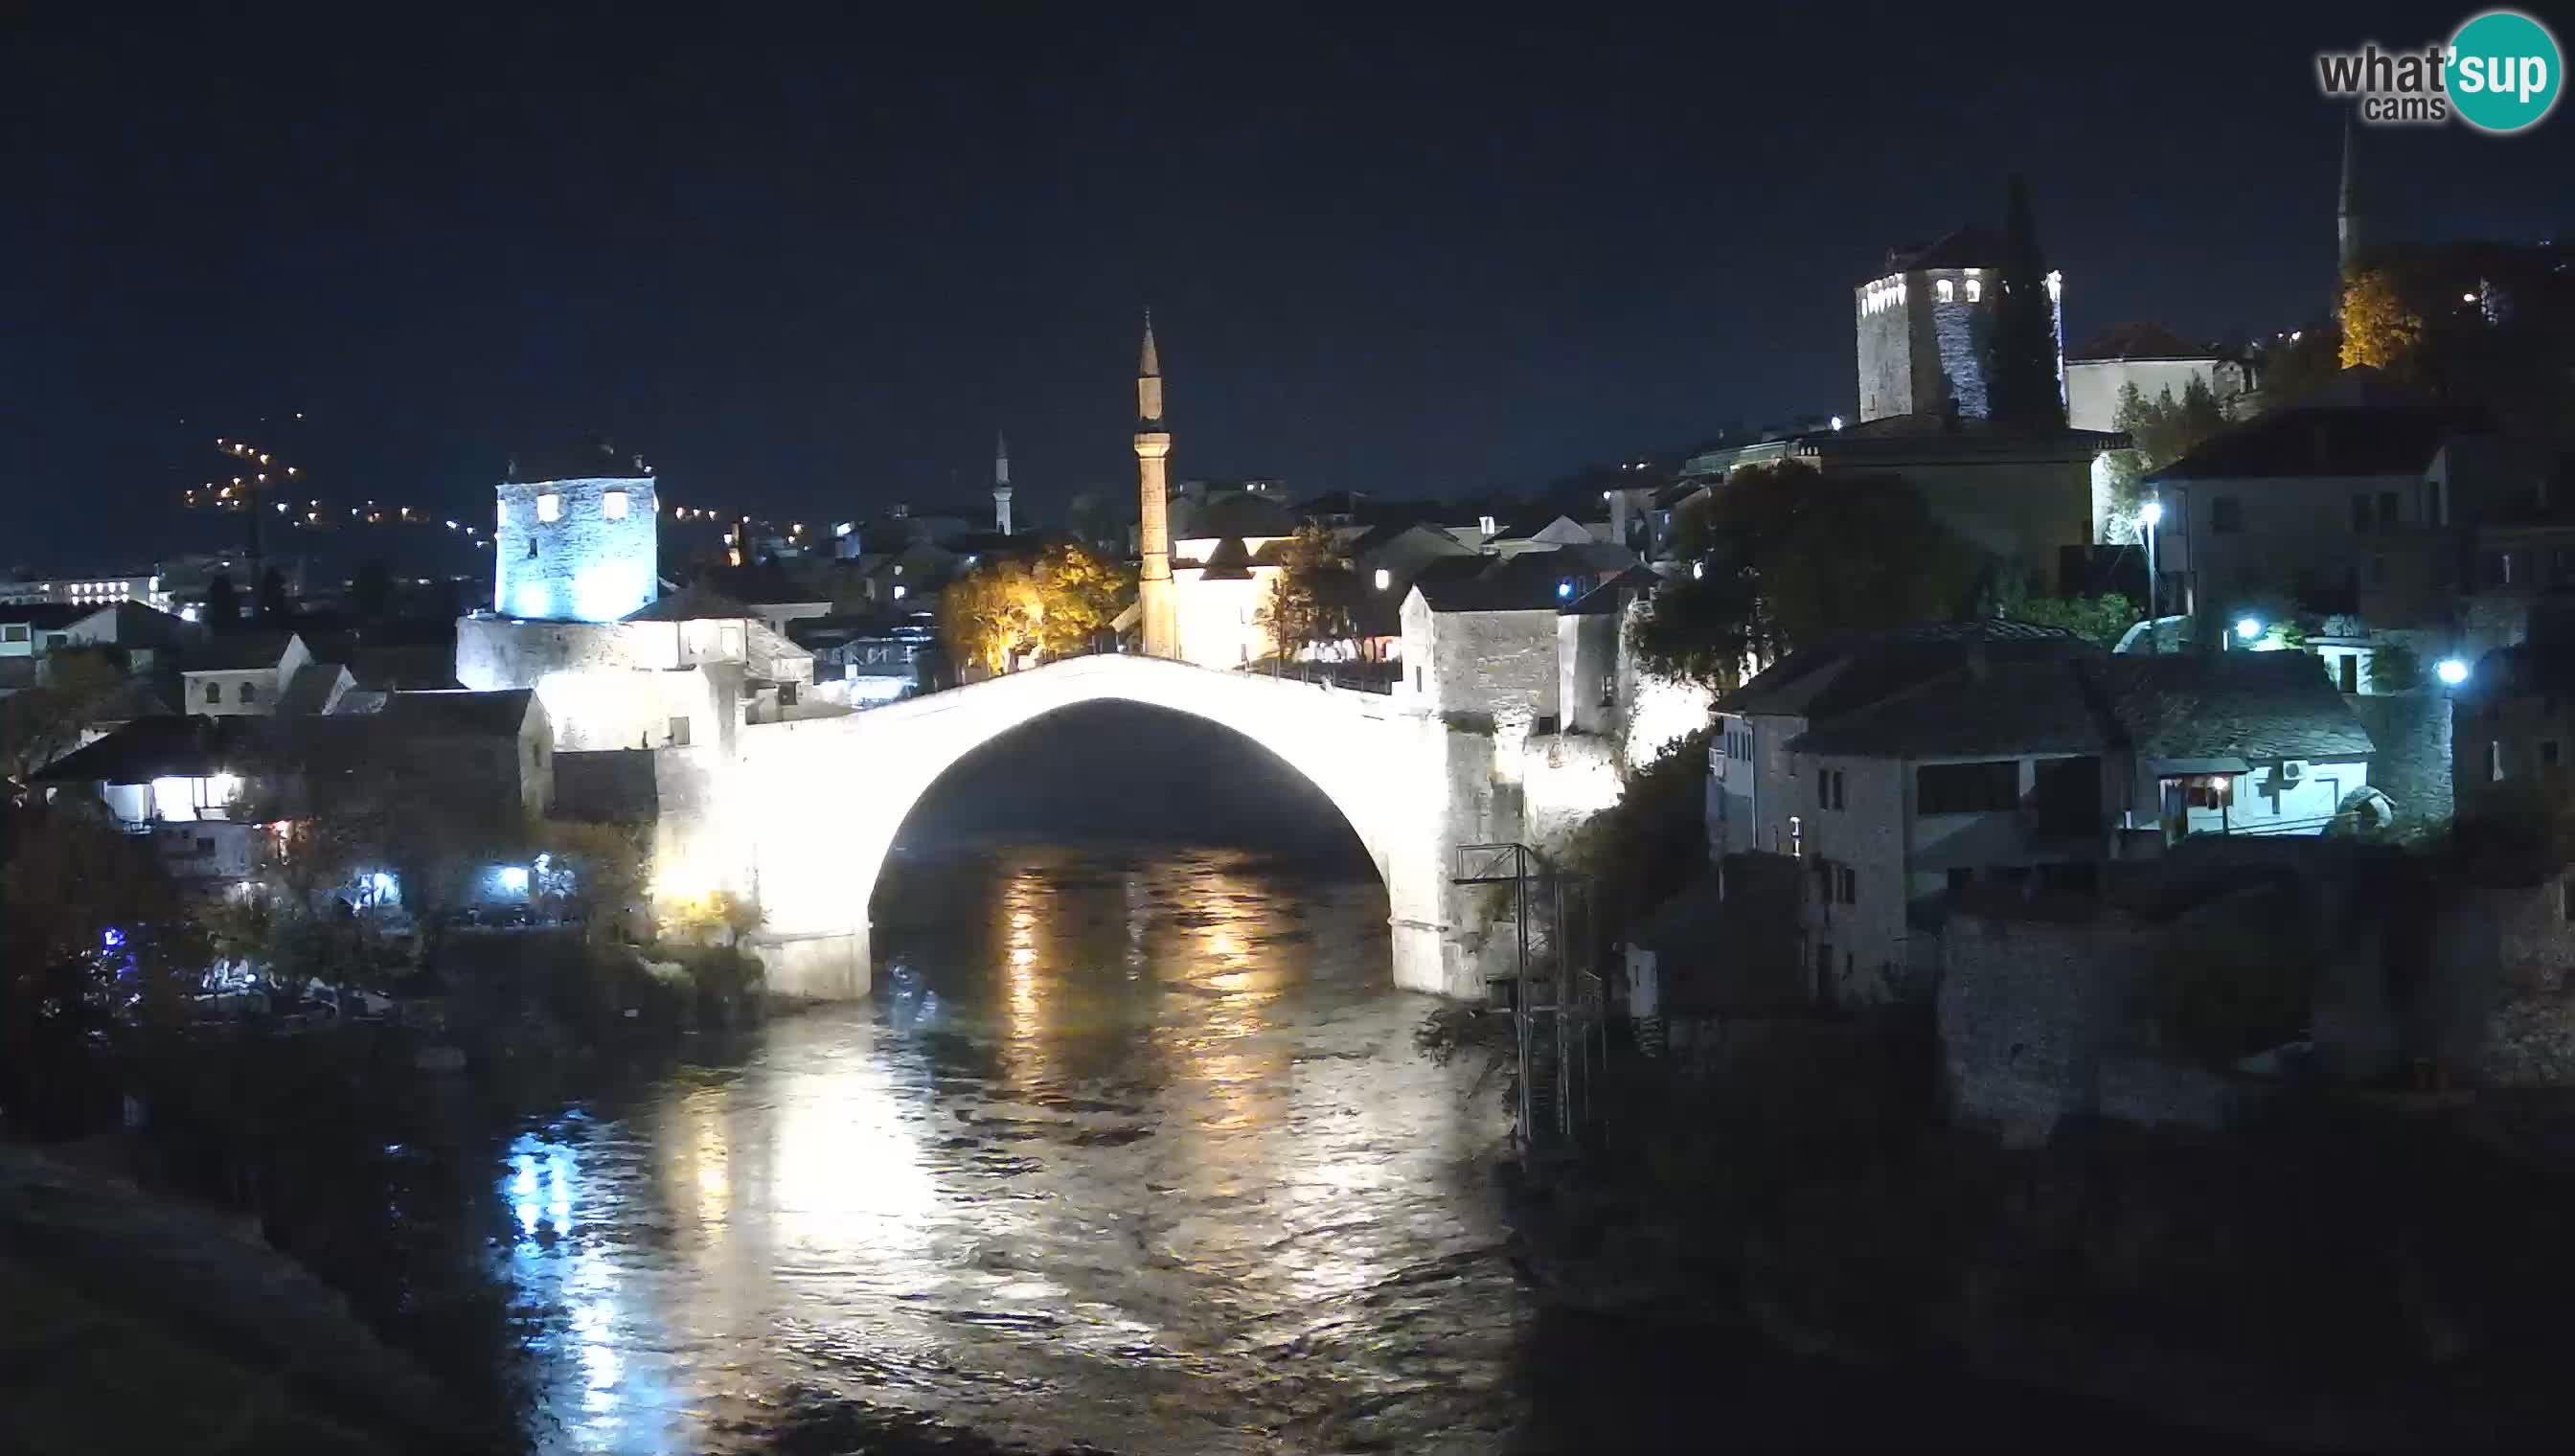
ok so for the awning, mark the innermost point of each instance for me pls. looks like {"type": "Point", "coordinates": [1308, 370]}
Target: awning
{"type": "Point", "coordinates": [2185, 768]}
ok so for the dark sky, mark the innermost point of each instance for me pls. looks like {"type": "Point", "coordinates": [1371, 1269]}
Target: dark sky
{"type": "Point", "coordinates": [810, 265]}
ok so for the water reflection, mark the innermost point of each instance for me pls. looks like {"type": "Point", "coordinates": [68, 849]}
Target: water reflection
{"type": "Point", "coordinates": [1129, 1149]}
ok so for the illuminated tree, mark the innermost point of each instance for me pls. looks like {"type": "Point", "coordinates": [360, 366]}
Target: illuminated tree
{"type": "Point", "coordinates": [2163, 430]}
{"type": "Point", "coordinates": [1007, 609]}
{"type": "Point", "coordinates": [2378, 328]}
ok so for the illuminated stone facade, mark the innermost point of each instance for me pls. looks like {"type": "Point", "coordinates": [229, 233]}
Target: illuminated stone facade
{"type": "Point", "coordinates": [575, 549]}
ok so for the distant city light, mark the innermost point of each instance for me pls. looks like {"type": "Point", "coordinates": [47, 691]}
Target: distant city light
{"type": "Point", "coordinates": [1564, 589]}
{"type": "Point", "coordinates": [2451, 671]}
{"type": "Point", "coordinates": [1837, 421]}
{"type": "Point", "coordinates": [1384, 579]}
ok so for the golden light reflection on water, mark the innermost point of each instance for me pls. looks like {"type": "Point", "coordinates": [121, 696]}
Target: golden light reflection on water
{"type": "Point", "coordinates": [1115, 1113]}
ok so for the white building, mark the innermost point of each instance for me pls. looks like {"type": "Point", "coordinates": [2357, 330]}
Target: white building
{"type": "Point", "coordinates": [1901, 768]}
{"type": "Point", "coordinates": [93, 591]}
{"type": "Point", "coordinates": [2157, 361]}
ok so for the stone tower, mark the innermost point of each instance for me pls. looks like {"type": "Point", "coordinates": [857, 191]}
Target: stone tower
{"type": "Point", "coordinates": [2347, 215]}
{"type": "Point", "coordinates": [576, 539]}
{"type": "Point", "coordinates": [1002, 484]}
{"type": "Point", "coordinates": [1157, 614]}
{"type": "Point", "coordinates": [1923, 322]}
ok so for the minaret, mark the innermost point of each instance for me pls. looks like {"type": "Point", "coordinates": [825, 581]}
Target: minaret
{"type": "Point", "coordinates": [1159, 617]}
{"type": "Point", "coordinates": [2347, 215]}
{"type": "Point", "coordinates": [1001, 482]}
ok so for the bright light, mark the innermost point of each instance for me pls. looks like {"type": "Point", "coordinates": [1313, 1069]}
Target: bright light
{"type": "Point", "coordinates": [1837, 421]}
{"type": "Point", "coordinates": [612, 504]}
{"type": "Point", "coordinates": [2153, 514]}
{"type": "Point", "coordinates": [1384, 579]}
{"type": "Point", "coordinates": [898, 592]}
{"type": "Point", "coordinates": [112, 939]}
{"type": "Point", "coordinates": [2467, 298]}
{"type": "Point", "coordinates": [2247, 628]}
{"type": "Point", "coordinates": [513, 878]}
{"type": "Point", "coordinates": [1564, 590]}
{"type": "Point", "coordinates": [1698, 570]}
{"type": "Point", "coordinates": [549, 507]}
{"type": "Point", "coordinates": [381, 883]}
{"type": "Point", "coordinates": [2451, 671]}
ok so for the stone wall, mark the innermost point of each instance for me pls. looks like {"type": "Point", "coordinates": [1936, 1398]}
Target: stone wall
{"type": "Point", "coordinates": [585, 564]}
{"type": "Point", "coordinates": [2412, 762]}
{"type": "Point", "coordinates": [2026, 1012]}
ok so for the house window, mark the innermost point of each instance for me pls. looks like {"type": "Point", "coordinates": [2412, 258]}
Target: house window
{"type": "Point", "coordinates": [249, 692]}
{"type": "Point", "coordinates": [1966, 788]}
{"type": "Point", "coordinates": [1796, 837]}
{"type": "Point", "coordinates": [1845, 884]}
{"type": "Point", "coordinates": [214, 692]}
{"type": "Point", "coordinates": [679, 728]}
{"type": "Point", "coordinates": [2360, 512]}
{"type": "Point", "coordinates": [13, 631]}
{"type": "Point", "coordinates": [2225, 515]}
{"type": "Point", "coordinates": [550, 507]}
{"type": "Point", "coordinates": [2431, 503]}
{"type": "Point", "coordinates": [1948, 291]}
{"type": "Point", "coordinates": [2211, 791]}
{"type": "Point", "coordinates": [612, 504]}
{"type": "Point", "coordinates": [1609, 689]}
{"type": "Point", "coordinates": [1416, 680]}
{"type": "Point", "coordinates": [2547, 753]}
{"type": "Point", "coordinates": [1828, 789]}
{"type": "Point", "coordinates": [2387, 508]}
{"type": "Point", "coordinates": [787, 695]}
{"type": "Point", "coordinates": [2349, 665]}
{"type": "Point", "coordinates": [1975, 290]}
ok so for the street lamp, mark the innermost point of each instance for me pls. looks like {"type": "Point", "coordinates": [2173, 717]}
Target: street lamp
{"type": "Point", "coordinates": [2451, 671]}
{"type": "Point", "coordinates": [2153, 516]}
{"type": "Point", "coordinates": [2248, 628]}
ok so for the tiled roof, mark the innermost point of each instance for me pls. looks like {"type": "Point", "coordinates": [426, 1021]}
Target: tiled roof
{"type": "Point", "coordinates": [238, 652]}
{"type": "Point", "coordinates": [309, 690]}
{"type": "Point", "coordinates": [1852, 669]}
{"type": "Point", "coordinates": [1965, 247]}
{"type": "Point", "coordinates": [499, 713]}
{"type": "Point", "coordinates": [2049, 705]}
{"type": "Point", "coordinates": [1613, 593]}
{"type": "Point", "coordinates": [2254, 705]}
{"type": "Point", "coordinates": [45, 615]}
{"type": "Point", "coordinates": [692, 603]}
{"type": "Point", "coordinates": [2328, 441]}
{"type": "Point", "coordinates": [1529, 581]}
{"type": "Point", "coordinates": [2140, 341]}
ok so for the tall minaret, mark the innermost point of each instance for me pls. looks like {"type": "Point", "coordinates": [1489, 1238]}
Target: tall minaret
{"type": "Point", "coordinates": [1159, 617]}
{"type": "Point", "coordinates": [1001, 482]}
{"type": "Point", "coordinates": [2347, 215]}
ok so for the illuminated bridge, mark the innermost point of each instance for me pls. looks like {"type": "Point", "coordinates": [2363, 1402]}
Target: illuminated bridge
{"type": "Point", "coordinates": [800, 815]}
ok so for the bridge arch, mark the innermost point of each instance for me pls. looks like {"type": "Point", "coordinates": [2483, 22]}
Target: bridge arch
{"type": "Point", "coordinates": [806, 810]}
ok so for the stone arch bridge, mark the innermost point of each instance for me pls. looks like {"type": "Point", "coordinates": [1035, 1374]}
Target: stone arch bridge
{"type": "Point", "coordinates": [800, 815]}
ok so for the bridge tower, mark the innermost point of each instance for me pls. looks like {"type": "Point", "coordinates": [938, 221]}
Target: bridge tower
{"type": "Point", "coordinates": [1158, 620]}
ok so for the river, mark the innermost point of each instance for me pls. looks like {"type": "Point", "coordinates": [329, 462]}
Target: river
{"type": "Point", "coordinates": [1132, 1147]}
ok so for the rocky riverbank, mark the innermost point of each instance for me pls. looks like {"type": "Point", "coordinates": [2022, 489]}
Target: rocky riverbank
{"type": "Point", "coordinates": [142, 1324]}
{"type": "Point", "coordinates": [2337, 1278]}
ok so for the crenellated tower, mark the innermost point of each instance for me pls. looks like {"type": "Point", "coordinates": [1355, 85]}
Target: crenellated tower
{"type": "Point", "coordinates": [1157, 614]}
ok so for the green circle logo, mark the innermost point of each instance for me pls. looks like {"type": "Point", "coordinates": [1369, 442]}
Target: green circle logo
{"type": "Point", "coordinates": [2505, 71]}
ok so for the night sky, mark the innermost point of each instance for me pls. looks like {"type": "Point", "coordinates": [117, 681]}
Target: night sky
{"type": "Point", "coordinates": [809, 266]}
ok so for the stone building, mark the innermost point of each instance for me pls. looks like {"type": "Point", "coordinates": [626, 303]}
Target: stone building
{"type": "Point", "coordinates": [2156, 361]}
{"type": "Point", "coordinates": [1922, 324]}
{"type": "Point", "coordinates": [1904, 769]}
{"type": "Point", "coordinates": [577, 538]}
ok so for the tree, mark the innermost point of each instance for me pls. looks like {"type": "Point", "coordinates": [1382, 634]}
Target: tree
{"type": "Point", "coordinates": [1079, 593]}
{"type": "Point", "coordinates": [1007, 608]}
{"type": "Point", "coordinates": [1310, 599]}
{"type": "Point", "coordinates": [2161, 431]}
{"type": "Point", "coordinates": [2101, 619]}
{"type": "Point", "coordinates": [2021, 347]}
{"type": "Point", "coordinates": [2378, 328]}
{"type": "Point", "coordinates": [223, 602]}
{"type": "Point", "coordinates": [1781, 556]}
{"type": "Point", "coordinates": [272, 595]}
{"type": "Point", "coordinates": [371, 591]}
{"type": "Point", "coordinates": [41, 724]}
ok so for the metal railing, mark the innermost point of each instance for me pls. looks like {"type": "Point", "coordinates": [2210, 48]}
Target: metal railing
{"type": "Point", "coordinates": [1556, 997]}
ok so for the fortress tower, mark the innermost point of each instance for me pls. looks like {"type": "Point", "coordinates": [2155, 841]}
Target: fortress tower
{"type": "Point", "coordinates": [1159, 620]}
{"type": "Point", "coordinates": [576, 539]}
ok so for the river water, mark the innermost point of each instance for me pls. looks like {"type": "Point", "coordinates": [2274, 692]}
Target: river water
{"type": "Point", "coordinates": [1132, 1147]}
{"type": "Point", "coordinates": [1131, 1152]}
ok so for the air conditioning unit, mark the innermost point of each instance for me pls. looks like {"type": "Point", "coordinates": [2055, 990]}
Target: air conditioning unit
{"type": "Point", "coordinates": [2291, 770]}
